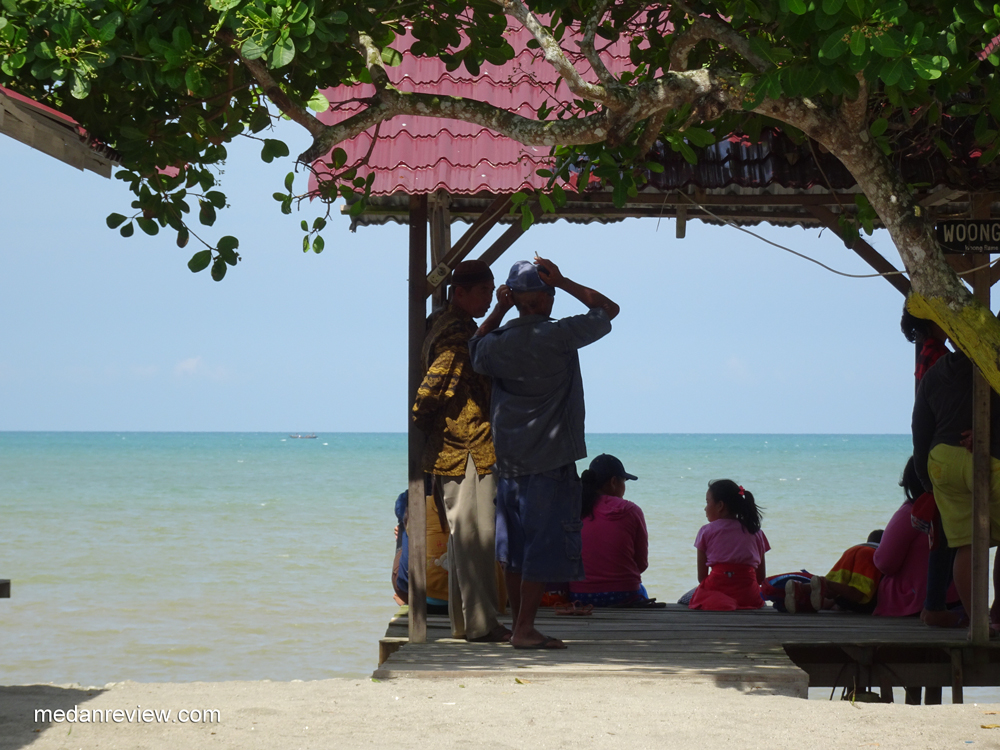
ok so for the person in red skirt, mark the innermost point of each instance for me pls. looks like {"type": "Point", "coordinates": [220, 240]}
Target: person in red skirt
{"type": "Point", "coordinates": [731, 549]}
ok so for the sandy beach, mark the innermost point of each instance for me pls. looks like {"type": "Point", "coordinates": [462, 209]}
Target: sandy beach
{"type": "Point", "coordinates": [487, 713]}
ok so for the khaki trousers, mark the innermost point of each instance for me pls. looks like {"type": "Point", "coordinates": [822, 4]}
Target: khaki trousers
{"type": "Point", "coordinates": [470, 507]}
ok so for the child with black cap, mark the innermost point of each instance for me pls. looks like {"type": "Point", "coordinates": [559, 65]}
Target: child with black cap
{"type": "Point", "coordinates": [615, 542]}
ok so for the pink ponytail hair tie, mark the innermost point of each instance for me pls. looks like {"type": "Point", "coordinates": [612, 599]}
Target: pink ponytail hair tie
{"type": "Point", "coordinates": [741, 490]}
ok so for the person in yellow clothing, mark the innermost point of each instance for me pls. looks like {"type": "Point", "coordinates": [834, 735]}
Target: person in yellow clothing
{"type": "Point", "coordinates": [452, 407]}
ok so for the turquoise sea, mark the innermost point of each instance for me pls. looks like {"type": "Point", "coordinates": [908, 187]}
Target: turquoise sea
{"type": "Point", "coordinates": [246, 556]}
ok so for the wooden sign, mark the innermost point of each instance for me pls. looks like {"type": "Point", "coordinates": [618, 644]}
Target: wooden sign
{"type": "Point", "coordinates": [969, 235]}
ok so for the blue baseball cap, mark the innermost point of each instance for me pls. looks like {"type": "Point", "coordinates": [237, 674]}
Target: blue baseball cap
{"type": "Point", "coordinates": [524, 277]}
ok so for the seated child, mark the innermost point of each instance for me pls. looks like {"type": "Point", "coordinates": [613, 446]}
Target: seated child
{"type": "Point", "coordinates": [732, 545]}
{"type": "Point", "coordinates": [615, 542]}
{"type": "Point", "coordinates": [852, 583]}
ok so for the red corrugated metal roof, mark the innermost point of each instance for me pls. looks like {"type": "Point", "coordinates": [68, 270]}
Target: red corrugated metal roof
{"type": "Point", "coordinates": [426, 154]}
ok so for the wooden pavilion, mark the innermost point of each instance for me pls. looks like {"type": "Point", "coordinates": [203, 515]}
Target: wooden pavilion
{"type": "Point", "coordinates": [431, 173]}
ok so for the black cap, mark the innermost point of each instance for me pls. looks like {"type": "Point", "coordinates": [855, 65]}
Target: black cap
{"type": "Point", "coordinates": [606, 466]}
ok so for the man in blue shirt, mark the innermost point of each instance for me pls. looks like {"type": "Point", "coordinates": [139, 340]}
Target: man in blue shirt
{"type": "Point", "coordinates": [537, 415]}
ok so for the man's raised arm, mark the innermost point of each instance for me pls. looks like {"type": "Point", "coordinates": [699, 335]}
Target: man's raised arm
{"type": "Point", "coordinates": [551, 275]}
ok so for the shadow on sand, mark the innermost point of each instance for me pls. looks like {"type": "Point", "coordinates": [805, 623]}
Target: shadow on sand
{"type": "Point", "coordinates": [20, 703]}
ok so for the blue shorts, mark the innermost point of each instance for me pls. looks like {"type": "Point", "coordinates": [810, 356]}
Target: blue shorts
{"type": "Point", "coordinates": [538, 525]}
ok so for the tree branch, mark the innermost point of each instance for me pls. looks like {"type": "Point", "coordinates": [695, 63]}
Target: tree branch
{"type": "Point", "coordinates": [373, 61]}
{"type": "Point", "coordinates": [274, 92]}
{"type": "Point", "coordinates": [555, 55]}
{"type": "Point", "coordinates": [586, 46]}
{"type": "Point", "coordinates": [649, 135]}
{"type": "Point", "coordinates": [710, 28]}
{"type": "Point", "coordinates": [856, 110]}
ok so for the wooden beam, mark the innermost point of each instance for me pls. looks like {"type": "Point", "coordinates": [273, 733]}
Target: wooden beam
{"type": "Point", "coordinates": [416, 524]}
{"type": "Point", "coordinates": [508, 238]}
{"type": "Point", "coordinates": [682, 216]}
{"type": "Point", "coordinates": [440, 220]}
{"type": "Point", "coordinates": [481, 226]}
{"type": "Point", "coordinates": [867, 253]}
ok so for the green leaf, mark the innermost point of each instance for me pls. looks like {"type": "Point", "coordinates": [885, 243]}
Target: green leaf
{"type": "Point", "coordinates": [832, 7]}
{"type": "Point", "coordinates": [289, 181]}
{"type": "Point", "coordinates": [835, 44]}
{"type": "Point", "coordinates": [80, 86]}
{"type": "Point", "coordinates": [858, 43]}
{"type": "Point", "coordinates": [878, 127]}
{"type": "Point", "coordinates": [699, 137]}
{"type": "Point", "coordinates": [216, 198]}
{"type": "Point", "coordinates": [559, 195]}
{"type": "Point", "coordinates": [200, 260]}
{"type": "Point", "coordinates": [654, 166]}
{"type": "Point", "coordinates": [527, 218]}
{"type": "Point", "coordinates": [619, 195]}
{"type": "Point", "coordinates": [219, 268]}
{"type": "Point", "coordinates": [391, 57]}
{"type": "Point", "coordinates": [887, 45]}
{"type": "Point", "coordinates": [224, 5]}
{"type": "Point", "coordinates": [318, 102]}
{"type": "Point", "coordinates": [283, 53]}
{"type": "Point", "coordinates": [798, 7]}
{"type": "Point", "coordinates": [318, 245]}
{"type": "Point", "coordinates": [228, 243]}
{"type": "Point", "coordinates": [114, 220]}
{"type": "Point", "coordinates": [546, 203]}
{"type": "Point", "coordinates": [929, 68]}
{"type": "Point", "coordinates": [305, 244]}
{"type": "Point", "coordinates": [338, 17]}
{"type": "Point", "coordinates": [300, 11]}
{"type": "Point", "coordinates": [251, 50]}
{"type": "Point", "coordinates": [892, 71]}
{"type": "Point", "coordinates": [338, 158]}
{"type": "Point", "coordinates": [128, 230]}
{"type": "Point", "coordinates": [207, 213]}
{"type": "Point", "coordinates": [857, 7]}
{"type": "Point", "coordinates": [193, 80]}
{"type": "Point", "coordinates": [183, 235]}
{"type": "Point", "coordinates": [148, 226]}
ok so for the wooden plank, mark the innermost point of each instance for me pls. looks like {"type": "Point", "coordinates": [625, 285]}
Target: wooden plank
{"type": "Point", "coordinates": [508, 238]}
{"type": "Point", "coordinates": [416, 525]}
{"type": "Point", "coordinates": [481, 226]}
{"type": "Point", "coordinates": [4, 588]}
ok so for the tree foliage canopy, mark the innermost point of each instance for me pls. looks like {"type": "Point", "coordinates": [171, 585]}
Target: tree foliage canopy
{"type": "Point", "coordinates": [169, 83]}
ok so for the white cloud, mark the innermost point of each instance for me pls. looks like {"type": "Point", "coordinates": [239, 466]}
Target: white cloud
{"type": "Point", "coordinates": [196, 367]}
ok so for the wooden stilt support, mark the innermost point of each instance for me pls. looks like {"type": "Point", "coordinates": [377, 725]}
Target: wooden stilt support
{"type": "Point", "coordinates": [981, 461]}
{"type": "Point", "coordinates": [956, 676]}
{"type": "Point", "coordinates": [416, 524]}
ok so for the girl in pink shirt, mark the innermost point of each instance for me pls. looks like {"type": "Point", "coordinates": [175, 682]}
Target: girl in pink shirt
{"type": "Point", "coordinates": [731, 546]}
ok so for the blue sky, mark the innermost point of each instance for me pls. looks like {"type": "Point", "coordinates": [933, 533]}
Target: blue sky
{"type": "Point", "coordinates": [718, 332]}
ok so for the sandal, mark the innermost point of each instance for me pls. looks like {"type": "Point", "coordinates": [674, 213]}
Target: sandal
{"type": "Point", "coordinates": [575, 609]}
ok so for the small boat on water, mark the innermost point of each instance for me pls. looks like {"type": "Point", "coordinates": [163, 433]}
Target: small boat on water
{"type": "Point", "coordinates": [310, 436]}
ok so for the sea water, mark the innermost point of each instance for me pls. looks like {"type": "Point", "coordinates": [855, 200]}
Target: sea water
{"type": "Point", "coordinates": [247, 556]}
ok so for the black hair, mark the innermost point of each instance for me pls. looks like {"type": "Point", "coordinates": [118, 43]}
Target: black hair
{"type": "Point", "coordinates": [738, 502]}
{"type": "Point", "coordinates": [914, 329]}
{"type": "Point", "coordinates": [875, 537]}
{"type": "Point", "coordinates": [591, 491]}
{"type": "Point", "coordinates": [910, 482]}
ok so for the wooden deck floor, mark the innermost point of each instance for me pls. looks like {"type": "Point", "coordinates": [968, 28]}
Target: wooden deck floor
{"type": "Point", "coordinates": [760, 649]}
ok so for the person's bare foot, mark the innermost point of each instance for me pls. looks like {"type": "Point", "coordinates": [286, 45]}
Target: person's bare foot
{"type": "Point", "coordinates": [943, 618]}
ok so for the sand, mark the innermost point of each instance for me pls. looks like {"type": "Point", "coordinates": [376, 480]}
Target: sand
{"type": "Point", "coordinates": [485, 713]}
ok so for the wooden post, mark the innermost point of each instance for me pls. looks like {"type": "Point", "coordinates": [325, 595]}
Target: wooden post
{"type": "Point", "coordinates": [981, 460]}
{"type": "Point", "coordinates": [416, 524]}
